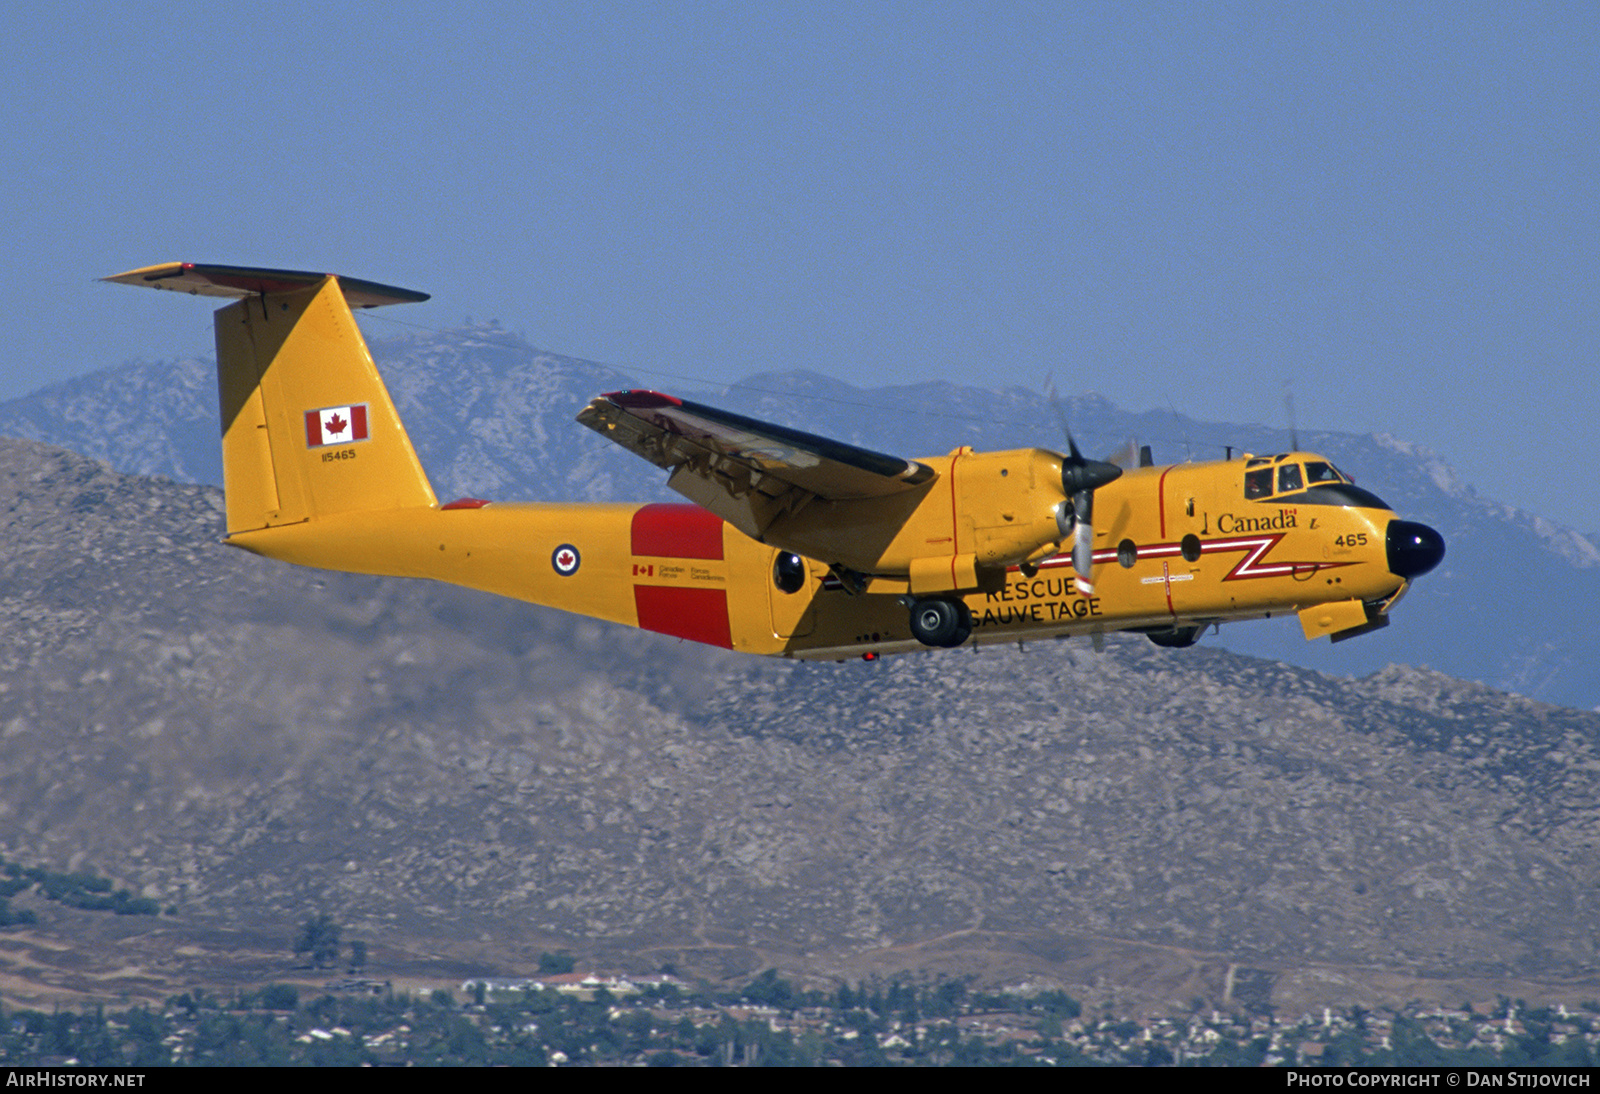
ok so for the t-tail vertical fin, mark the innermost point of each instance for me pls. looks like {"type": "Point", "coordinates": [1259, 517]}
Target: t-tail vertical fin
{"type": "Point", "coordinates": [308, 428]}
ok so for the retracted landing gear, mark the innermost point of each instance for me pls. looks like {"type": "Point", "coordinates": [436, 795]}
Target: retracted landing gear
{"type": "Point", "coordinates": [943, 623]}
{"type": "Point", "coordinates": [1175, 638]}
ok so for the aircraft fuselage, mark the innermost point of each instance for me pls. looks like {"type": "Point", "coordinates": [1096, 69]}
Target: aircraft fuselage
{"type": "Point", "coordinates": [1177, 548]}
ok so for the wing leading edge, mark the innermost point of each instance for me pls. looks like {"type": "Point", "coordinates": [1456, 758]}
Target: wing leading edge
{"type": "Point", "coordinates": [747, 472]}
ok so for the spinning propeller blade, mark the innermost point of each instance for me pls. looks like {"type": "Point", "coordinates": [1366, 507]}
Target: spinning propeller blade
{"type": "Point", "coordinates": [1080, 478]}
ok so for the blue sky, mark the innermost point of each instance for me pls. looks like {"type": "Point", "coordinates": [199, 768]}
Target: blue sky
{"type": "Point", "coordinates": [1392, 207]}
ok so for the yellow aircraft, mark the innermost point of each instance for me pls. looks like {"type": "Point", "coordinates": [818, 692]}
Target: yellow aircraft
{"type": "Point", "coordinates": [795, 546]}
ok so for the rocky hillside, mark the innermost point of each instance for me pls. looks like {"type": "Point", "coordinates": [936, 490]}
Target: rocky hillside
{"type": "Point", "coordinates": [250, 743]}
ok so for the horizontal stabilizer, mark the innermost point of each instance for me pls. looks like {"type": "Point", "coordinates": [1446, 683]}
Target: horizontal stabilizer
{"type": "Point", "coordinates": [242, 281]}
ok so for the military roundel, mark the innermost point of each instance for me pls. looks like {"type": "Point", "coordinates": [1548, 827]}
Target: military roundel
{"type": "Point", "coordinates": [565, 560]}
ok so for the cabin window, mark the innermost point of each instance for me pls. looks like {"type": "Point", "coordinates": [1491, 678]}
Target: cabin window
{"type": "Point", "coordinates": [1289, 477]}
{"type": "Point", "coordinates": [789, 572]}
{"type": "Point", "coordinates": [1321, 471]}
{"type": "Point", "coordinates": [1258, 484]}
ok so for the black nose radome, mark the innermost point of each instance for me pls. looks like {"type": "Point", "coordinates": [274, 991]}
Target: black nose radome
{"type": "Point", "coordinates": [1414, 549]}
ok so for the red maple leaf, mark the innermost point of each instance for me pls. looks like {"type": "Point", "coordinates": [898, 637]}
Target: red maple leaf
{"type": "Point", "coordinates": [336, 424]}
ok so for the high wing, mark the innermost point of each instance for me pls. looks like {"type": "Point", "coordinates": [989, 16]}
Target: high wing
{"type": "Point", "coordinates": [747, 472]}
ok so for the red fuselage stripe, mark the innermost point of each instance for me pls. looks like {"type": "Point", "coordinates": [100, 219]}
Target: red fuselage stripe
{"type": "Point", "coordinates": [955, 535]}
{"type": "Point", "coordinates": [1251, 566]}
{"type": "Point", "coordinates": [1161, 502]}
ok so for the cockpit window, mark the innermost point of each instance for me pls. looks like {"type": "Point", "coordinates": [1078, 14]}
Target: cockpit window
{"type": "Point", "coordinates": [1284, 476]}
{"type": "Point", "coordinates": [1308, 481]}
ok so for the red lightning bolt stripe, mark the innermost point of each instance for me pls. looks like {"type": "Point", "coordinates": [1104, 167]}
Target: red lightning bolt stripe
{"type": "Point", "coordinates": [1252, 565]}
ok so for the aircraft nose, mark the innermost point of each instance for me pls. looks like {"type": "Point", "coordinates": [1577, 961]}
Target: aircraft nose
{"type": "Point", "coordinates": [1414, 549]}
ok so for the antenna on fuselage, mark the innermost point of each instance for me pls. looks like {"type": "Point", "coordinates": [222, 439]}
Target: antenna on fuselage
{"type": "Point", "coordinates": [1288, 407]}
{"type": "Point", "coordinates": [1188, 441]}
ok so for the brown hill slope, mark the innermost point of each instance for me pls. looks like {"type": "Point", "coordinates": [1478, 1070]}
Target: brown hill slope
{"type": "Point", "coordinates": [449, 773]}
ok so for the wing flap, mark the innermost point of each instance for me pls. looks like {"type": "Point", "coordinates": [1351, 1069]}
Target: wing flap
{"type": "Point", "coordinates": [745, 471]}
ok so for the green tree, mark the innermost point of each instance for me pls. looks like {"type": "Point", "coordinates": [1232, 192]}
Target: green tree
{"type": "Point", "coordinates": [556, 964]}
{"type": "Point", "coordinates": [771, 989]}
{"type": "Point", "coordinates": [319, 937]}
{"type": "Point", "coordinates": [280, 997]}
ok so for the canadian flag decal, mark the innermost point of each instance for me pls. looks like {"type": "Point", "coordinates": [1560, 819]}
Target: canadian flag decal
{"type": "Point", "coordinates": [336, 425]}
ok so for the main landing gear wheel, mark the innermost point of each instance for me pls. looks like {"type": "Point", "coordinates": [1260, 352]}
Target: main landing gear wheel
{"type": "Point", "coordinates": [943, 623]}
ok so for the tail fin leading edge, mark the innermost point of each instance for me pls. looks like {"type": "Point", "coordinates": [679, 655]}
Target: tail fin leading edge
{"type": "Point", "coordinates": [308, 428]}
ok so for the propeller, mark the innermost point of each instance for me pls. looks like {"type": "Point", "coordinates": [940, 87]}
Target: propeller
{"type": "Point", "coordinates": [1080, 478]}
{"type": "Point", "coordinates": [1126, 455]}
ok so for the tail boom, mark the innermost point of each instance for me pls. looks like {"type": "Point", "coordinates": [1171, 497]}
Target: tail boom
{"type": "Point", "coordinates": [642, 566]}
